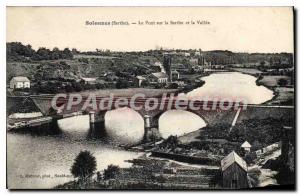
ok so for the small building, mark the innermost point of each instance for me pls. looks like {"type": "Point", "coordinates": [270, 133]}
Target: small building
{"type": "Point", "coordinates": [140, 80]}
{"type": "Point", "coordinates": [180, 83]}
{"type": "Point", "coordinates": [158, 77]}
{"type": "Point", "coordinates": [175, 75]}
{"type": "Point", "coordinates": [234, 172]}
{"type": "Point", "coordinates": [197, 53]}
{"type": "Point", "coordinates": [110, 76]}
{"type": "Point", "coordinates": [246, 146]}
{"type": "Point", "coordinates": [193, 61]}
{"type": "Point", "coordinates": [186, 54]}
{"type": "Point", "coordinates": [19, 83]}
{"type": "Point", "coordinates": [197, 68]}
{"type": "Point", "coordinates": [158, 67]}
{"type": "Point", "coordinates": [219, 67]}
{"type": "Point", "coordinates": [92, 80]}
{"type": "Point", "coordinates": [157, 63]}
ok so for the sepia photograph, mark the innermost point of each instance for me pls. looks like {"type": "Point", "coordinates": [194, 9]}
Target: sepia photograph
{"type": "Point", "coordinates": [150, 98]}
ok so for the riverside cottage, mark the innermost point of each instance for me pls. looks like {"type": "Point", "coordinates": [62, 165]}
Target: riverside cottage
{"type": "Point", "coordinates": [234, 172]}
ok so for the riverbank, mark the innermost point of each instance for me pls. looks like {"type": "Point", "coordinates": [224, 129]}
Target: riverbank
{"type": "Point", "coordinates": [283, 95]}
{"type": "Point", "coordinates": [152, 173]}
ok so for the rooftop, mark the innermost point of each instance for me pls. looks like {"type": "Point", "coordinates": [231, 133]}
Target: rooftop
{"type": "Point", "coordinates": [160, 75]}
{"type": "Point", "coordinates": [141, 77]}
{"type": "Point", "coordinates": [233, 158]}
{"type": "Point", "coordinates": [20, 79]}
{"type": "Point", "coordinates": [89, 79]}
{"type": "Point", "coordinates": [246, 145]}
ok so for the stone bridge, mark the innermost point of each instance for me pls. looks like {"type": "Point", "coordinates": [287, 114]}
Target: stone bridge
{"type": "Point", "coordinates": [211, 112]}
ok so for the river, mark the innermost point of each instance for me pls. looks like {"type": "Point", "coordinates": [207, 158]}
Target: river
{"type": "Point", "coordinates": [31, 157]}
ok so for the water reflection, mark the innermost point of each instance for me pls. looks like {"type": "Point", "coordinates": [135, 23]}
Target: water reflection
{"type": "Point", "coordinates": [179, 122]}
{"type": "Point", "coordinates": [76, 126]}
{"type": "Point", "coordinates": [124, 125]}
{"type": "Point", "coordinates": [35, 155]}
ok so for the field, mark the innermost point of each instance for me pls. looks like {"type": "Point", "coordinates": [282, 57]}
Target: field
{"type": "Point", "coordinates": [284, 96]}
{"type": "Point", "coordinates": [129, 92]}
{"type": "Point", "coordinates": [251, 71]}
{"type": "Point", "coordinates": [93, 56]}
{"type": "Point", "coordinates": [272, 81]}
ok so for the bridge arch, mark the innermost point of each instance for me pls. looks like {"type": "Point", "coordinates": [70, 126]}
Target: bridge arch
{"type": "Point", "coordinates": [124, 125]}
{"type": "Point", "coordinates": [178, 122]}
{"type": "Point", "coordinates": [157, 115]}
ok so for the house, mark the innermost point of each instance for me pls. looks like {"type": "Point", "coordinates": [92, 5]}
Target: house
{"type": "Point", "coordinates": [174, 75]}
{"type": "Point", "coordinates": [158, 77]}
{"type": "Point", "coordinates": [198, 68]}
{"type": "Point", "coordinates": [19, 83]}
{"type": "Point", "coordinates": [140, 80]}
{"type": "Point", "coordinates": [92, 80]}
{"type": "Point", "coordinates": [158, 67]}
{"type": "Point", "coordinates": [246, 146]}
{"type": "Point", "coordinates": [217, 66]}
{"type": "Point", "coordinates": [110, 76]}
{"type": "Point", "coordinates": [186, 54]}
{"type": "Point", "coordinates": [193, 61]}
{"type": "Point", "coordinates": [180, 83]}
{"type": "Point", "coordinates": [234, 172]}
{"type": "Point", "coordinates": [157, 63]}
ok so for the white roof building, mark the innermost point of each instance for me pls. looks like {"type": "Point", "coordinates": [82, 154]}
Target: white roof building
{"type": "Point", "coordinates": [246, 145]}
{"type": "Point", "coordinates": [233, 158]}
{"type": "Point", "coordinates": [140, 80]}
{"type": "Point", "coordinates": [90, 80]}
{"type": "Point", "coordinates": [159, 77]}
{"type": "Point", "coordinates": [157, 63]}
{"type": "Point", "coordinates": [19, 82]}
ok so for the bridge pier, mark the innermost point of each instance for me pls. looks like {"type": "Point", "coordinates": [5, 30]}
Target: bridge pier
{"type": "Point", "coordinates": [147, 128]}
{"type": "Point", "coordinates": [92, 117]}
{"type": "Point", "coordinates": [97, 124]}
{"type": "Point", "coordinates": [150, 132]}
{"type": "Point", "coordinates": [54, 126]}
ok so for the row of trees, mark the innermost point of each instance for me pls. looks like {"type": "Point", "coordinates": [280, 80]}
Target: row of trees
{"type": "Point", "coordinates": [18, 51]}
{"type": "Point", "coordinates": [228, 57]}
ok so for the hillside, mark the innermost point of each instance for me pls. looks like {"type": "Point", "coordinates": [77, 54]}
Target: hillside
{"type": "Point", "coordinates": [45, 64]}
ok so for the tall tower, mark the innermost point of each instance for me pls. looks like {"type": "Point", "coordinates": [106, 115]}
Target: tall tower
{"type": "Point", "coordinates": [201, 60]}
{"type": "Point", "coordinates": [167, 62]}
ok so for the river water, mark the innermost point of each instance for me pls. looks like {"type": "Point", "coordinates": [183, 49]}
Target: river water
{"type": "Point", "coordinates": [45, 161]}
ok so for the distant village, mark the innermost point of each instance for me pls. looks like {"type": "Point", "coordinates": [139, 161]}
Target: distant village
{"type": "Point", "coordinates": [46, 71]}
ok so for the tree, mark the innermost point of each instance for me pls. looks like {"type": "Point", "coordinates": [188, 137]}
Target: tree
{"type": "Point", "coordinates": [55, 53]}
{"type": "Point", "coordinates": [44, 54]}
{"type": "Point", "coordinates": [111, 172]}
{"type": "Point", "coordinates": [161, 179]}
{"type": "Point", "coordinates": [99, 176]}
{"type": "Point", "coordinates": [84, 166]}
{"type": "Point", "coordinates": [17, 50]}
{"type": "Point", "coordinates": [171, 142]}
{"type": "Point", "coordinates": [122, 83]}
{"type": "Point", "coordinates": [67, 54]}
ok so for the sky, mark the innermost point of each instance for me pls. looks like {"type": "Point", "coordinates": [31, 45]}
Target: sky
{"type": "Point", "coordinates": [238, 29]}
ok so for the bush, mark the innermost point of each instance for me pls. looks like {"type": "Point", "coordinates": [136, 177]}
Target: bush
{"type": "Point", "coordinates": [282, 82]}
{"type": "Point", "coordinates": [111, 172]}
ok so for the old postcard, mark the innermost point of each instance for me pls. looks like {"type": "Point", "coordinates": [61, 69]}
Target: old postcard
{"type": "Point", "coordinates": [131, 98]}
